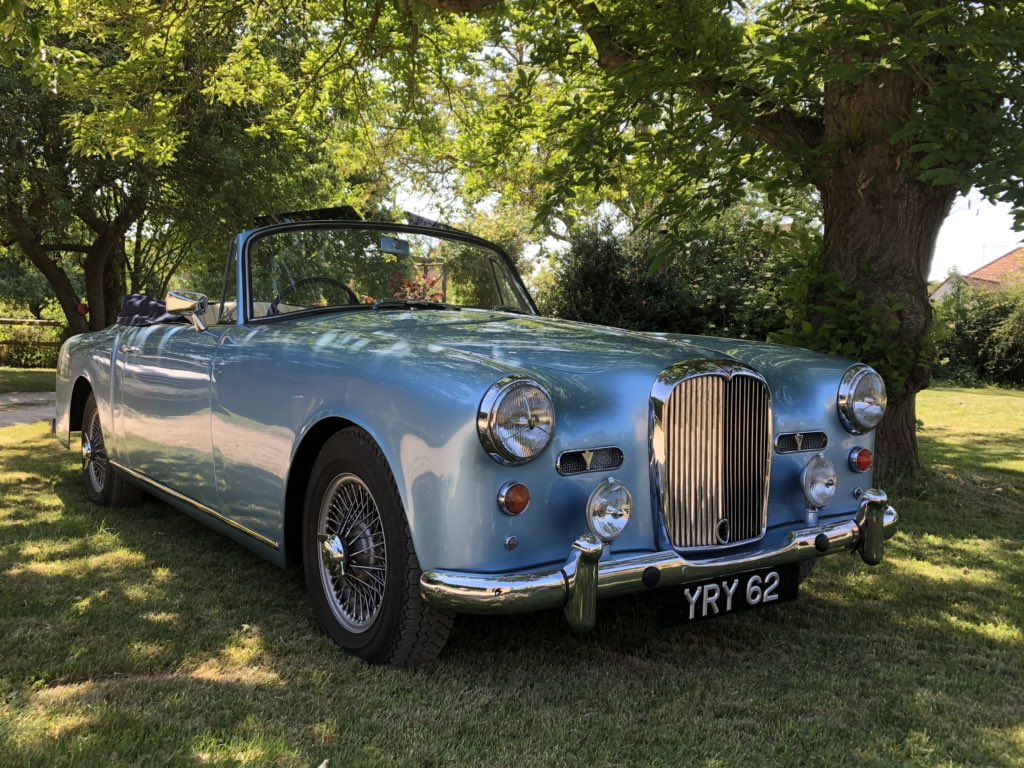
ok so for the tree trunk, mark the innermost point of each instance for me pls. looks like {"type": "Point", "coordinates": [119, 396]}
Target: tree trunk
{"type": "Point", "coordinates": [114, 283]}
{"type": "Point", "coordinates": [58, 279]}
{"type": "Point", "coordinates": [881, 224]}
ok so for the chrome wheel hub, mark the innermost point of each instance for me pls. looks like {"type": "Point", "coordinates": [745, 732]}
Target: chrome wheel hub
{"type": "Point", "coordinates": [353, 556]}
{"type": "Point", "coordinates": [332, 552]}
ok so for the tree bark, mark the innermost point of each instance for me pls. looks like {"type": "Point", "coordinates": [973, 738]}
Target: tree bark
{"type": "Point", "coordinates": [881, 225]}
{"type": "Point", "coordinates": [58, 279]}
{"type": "Point", "coordinates": [114, 283]}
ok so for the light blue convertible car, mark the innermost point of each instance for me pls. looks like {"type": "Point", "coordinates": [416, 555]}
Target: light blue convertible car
{"type": "Point", "coordinates": [382, 404]}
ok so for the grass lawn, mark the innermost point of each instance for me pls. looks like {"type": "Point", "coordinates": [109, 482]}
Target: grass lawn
{"type": "Point", "coordinates": [27, 380]}
{"type": "Point", "coordinates": [139, 637]}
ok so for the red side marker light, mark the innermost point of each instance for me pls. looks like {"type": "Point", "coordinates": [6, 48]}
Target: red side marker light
{"type": "Point", "coordinates": [861, 460]}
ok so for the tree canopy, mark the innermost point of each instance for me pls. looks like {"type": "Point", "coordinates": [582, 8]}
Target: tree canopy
{"type": "Point", "coordinates": [885, 109]}
{"type": "Point", "coordinates": [134, 132]}
{"type": "Point", "coordinates": [135, 135]}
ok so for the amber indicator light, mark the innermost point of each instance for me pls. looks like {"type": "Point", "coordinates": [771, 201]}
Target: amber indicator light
{"type": "Point", "coordinates": [514, 498]}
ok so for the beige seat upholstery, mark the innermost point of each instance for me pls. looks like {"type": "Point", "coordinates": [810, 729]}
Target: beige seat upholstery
{"type": "Point", "coordinates": [260, 309]}
{"type": "Point", "coordinates": [212, 316]}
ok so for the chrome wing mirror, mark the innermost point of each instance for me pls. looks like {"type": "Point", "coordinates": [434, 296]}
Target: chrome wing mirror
{"type": "Point", "coordinates": [192, 305]}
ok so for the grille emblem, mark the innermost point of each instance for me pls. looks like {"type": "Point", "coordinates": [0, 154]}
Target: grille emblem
{"type": "Point", "coordinates": [722, 531]}
{"type": "Point", "coordinates": [799, 437]}
{"type": "Point", "coordinates": [588, 456]}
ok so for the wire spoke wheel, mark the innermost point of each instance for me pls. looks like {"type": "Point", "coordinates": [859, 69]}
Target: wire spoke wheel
{"type": "Point", "coordinates": [359, 560]}
{"type": "Point", "coordinates": [353, 554]}
{"type": "Point", "coordinates": [94, 452]}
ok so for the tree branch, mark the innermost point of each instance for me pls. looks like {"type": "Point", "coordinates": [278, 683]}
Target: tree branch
{"type": "Point", "coordinates": [461, 6]}
{"type": "Point", "coordinates": [71, 247]}
{"type": "Point", "coordinates": [611, 54]}
{"type": "Point", "coordinates": [780, 129]}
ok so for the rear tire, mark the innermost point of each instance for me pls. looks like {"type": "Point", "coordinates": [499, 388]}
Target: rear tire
{"type": "Point", "coordinates": [361, 569]}
{"type": "Point", "coordinates": [104, 485]}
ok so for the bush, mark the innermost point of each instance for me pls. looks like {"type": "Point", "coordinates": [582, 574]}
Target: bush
{"type": "Point", "coordinates": [979, 335]}
{"type": "Point", "coordinates": [605, 279]}
{"type": "Point", "coordinates": [20, 344]}
{"type": "Point", "coordinates": [723, 280]}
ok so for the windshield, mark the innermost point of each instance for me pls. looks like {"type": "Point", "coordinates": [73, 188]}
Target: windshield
{"type": "Point", "coordinates": [301, 269]}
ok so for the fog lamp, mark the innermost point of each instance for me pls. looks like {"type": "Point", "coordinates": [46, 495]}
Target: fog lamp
{"type": "Point", "coordinates": [608, 509]}
{"type": "Point", "coordinates": [819, 481]}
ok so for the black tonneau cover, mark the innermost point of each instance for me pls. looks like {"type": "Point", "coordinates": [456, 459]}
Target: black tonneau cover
{"type": "Point", "coordinates": [139, 310]}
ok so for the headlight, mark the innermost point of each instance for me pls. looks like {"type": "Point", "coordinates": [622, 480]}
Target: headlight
{"type": "Point", "coordinates": [861, 399]}
{"type": "Point", "coordinates": [819, 481]}
{"type": "Point", "coordinates": [515, 420]}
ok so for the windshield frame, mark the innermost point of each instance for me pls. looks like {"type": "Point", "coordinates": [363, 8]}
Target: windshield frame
{"type": "Point", "coordinates": [253, 235]}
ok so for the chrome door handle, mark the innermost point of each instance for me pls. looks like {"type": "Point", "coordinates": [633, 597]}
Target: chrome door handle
{"type": "Point", "coordinates": [131, 350]}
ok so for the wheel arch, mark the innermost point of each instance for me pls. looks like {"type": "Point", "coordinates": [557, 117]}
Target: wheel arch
{"type": "Point", "coordinates": [298, 480]}
{"type": "Point", "coordinates": [76, 409]}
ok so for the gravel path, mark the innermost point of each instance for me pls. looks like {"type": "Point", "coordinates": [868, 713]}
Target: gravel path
{"type": "Point", "coordinates": [26, 408]}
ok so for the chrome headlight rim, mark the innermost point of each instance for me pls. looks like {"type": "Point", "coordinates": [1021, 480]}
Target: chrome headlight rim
{"type": "Point", "coordinates": [847, 387]}
{"type": "Point", "coordinates": [487, 416]}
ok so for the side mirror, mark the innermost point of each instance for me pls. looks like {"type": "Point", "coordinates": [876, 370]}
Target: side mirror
{"type": "Point", "coordinates": [191, 304]}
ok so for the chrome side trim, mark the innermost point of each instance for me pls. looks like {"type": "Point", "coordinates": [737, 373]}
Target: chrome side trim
{"type": "Point", "coordinates": [566, 587]}
{"type": "Point", "coordinates": [198, 506]}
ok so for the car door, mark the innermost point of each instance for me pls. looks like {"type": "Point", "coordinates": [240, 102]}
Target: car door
{"type": "Point", "coordinates": [166, 409]}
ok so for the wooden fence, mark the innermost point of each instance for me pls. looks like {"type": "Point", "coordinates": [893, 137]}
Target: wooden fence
{"type": "Point", "coordinates": [33, 343]}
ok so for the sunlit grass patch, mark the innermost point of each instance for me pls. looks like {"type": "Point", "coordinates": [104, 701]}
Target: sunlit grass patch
{"type": "Point", "coordinates": [27, 379]}
{"type": "Point", "coordinates": [137, 637]}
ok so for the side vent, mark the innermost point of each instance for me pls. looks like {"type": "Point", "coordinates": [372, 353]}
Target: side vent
{"type": "Point", "coordinates": [795, 442]}
{"type": "Point", "coordinates": [591, 460]}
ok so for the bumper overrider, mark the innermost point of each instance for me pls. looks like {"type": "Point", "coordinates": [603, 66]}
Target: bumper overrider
{"type": "Point", "coordinates": [582, 579]}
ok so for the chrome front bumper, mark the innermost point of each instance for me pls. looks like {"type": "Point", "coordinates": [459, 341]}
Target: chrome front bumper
{"type": "Point", "coordinates": [578, 584]}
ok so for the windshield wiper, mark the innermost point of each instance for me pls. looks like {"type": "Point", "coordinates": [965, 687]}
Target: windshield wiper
{"type": "Point", "coordinates": [506, 308]}
{"type": "Point", "coordinates": [413, 304]}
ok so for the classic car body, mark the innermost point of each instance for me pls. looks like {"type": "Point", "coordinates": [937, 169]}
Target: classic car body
{"type": "Point", "coordinates": [709, 443]}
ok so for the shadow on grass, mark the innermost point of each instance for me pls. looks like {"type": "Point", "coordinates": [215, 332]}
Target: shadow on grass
{"type": "Point", "coordinates": [140, 636]}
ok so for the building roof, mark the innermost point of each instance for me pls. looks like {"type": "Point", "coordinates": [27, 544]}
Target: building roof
{"type": "Point", "coordinates": [1008, 268]}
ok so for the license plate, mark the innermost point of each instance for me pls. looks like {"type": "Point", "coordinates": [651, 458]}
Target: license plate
{"type": "Point", "coordinates": [728, 594]}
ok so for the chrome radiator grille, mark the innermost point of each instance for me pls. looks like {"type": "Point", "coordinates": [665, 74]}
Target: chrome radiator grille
{"type": "Point", "coordinates": [717, 448]}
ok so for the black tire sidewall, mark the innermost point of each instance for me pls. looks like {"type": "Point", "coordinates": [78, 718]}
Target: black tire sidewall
{"type": "Point", "coordinates": [351, 453]}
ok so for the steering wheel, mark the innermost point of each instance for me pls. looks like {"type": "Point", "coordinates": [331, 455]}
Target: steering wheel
{"type": "Point", "coordinates": [302, 282]}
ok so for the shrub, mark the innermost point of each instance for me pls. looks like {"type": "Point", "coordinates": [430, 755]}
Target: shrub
{"type": "Point", "coordinates": [979, 335]}
{"type": "Point", "coordinates": [723, 280]}
{"type": "Point", "coordinates": [605, 279]}
{"type": "Point", "coordinates": [20, 344]}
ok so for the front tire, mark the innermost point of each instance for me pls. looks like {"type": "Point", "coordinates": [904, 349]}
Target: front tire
{"type": "Point", "coordinates": [104, 485]}
{"type": "Point", "coordinates": [360, 565]}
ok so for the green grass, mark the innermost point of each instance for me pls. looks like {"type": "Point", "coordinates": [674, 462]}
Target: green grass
{"type": "Point", "coordinates": [140, 637]}
{"type": "Point", "coordinates": [27, 380]}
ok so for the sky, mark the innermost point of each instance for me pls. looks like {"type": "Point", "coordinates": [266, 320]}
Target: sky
{"type": "Point", "coordinates": [975, 233]}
